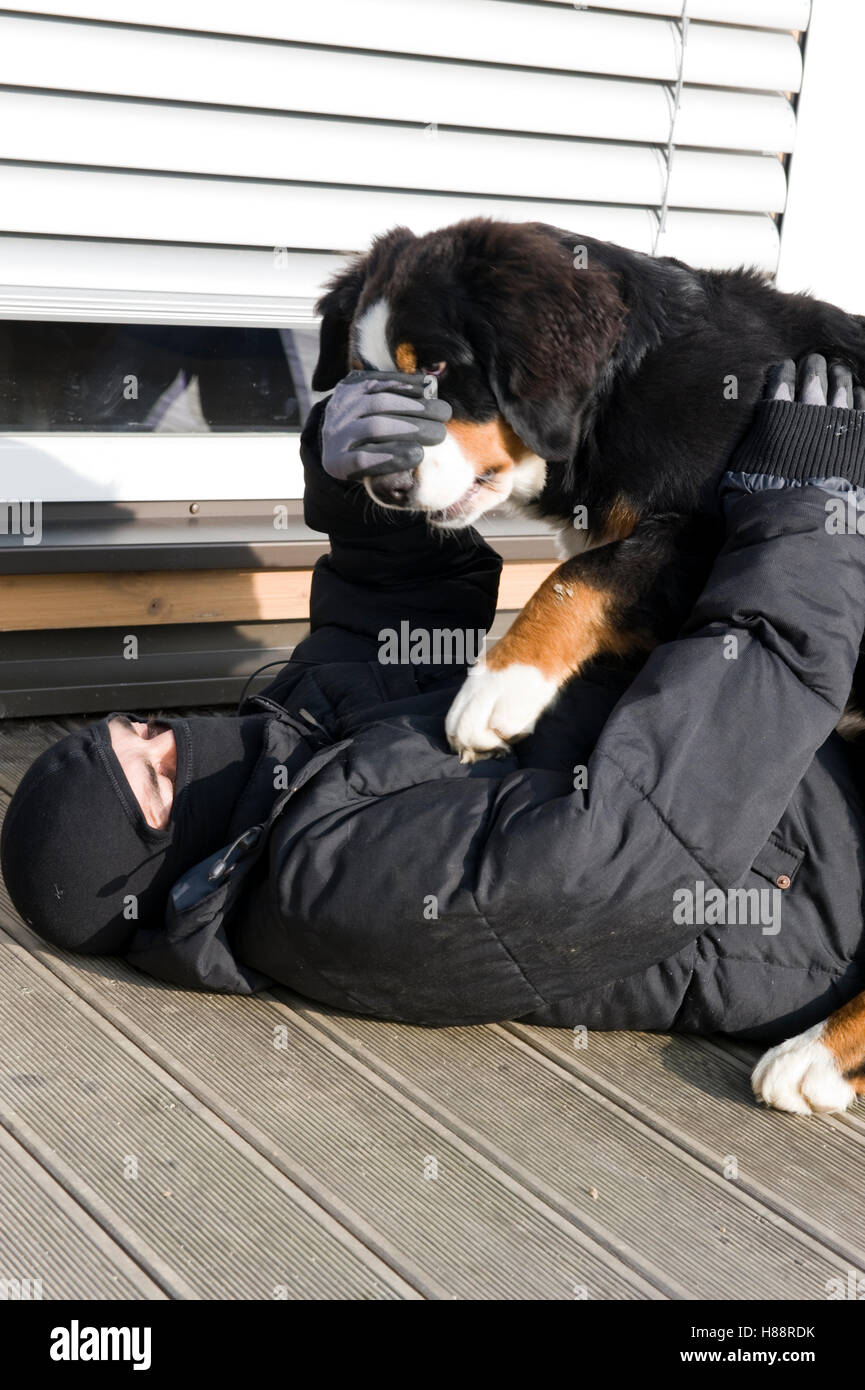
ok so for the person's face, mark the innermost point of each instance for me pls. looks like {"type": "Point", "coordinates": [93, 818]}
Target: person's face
{"type": "Point", "coordinates": [148, 755]}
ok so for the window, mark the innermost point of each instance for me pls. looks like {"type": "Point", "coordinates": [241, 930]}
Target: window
{"type": "Point", "coordinates": [143, 378]}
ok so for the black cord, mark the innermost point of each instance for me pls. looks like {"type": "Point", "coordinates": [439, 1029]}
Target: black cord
{"type": "Point", "coordinates": [279, 662]}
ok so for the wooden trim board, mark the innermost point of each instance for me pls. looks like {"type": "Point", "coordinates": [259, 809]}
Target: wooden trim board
{"type": "Point", "coordinates": [34, 602]}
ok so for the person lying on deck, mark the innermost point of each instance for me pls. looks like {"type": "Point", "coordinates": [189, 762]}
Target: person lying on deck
{"type": "Point", "coordinates": [327, 838]}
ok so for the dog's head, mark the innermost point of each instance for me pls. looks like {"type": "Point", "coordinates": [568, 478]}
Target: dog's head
{"type": "Point", "coordinates": [516, 333]}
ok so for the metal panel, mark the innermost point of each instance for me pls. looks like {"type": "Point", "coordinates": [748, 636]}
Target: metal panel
{"type": "Point", "coordinates": [769, 14]}
{"type": "Point", "coordinates": [215, 71]}
{"type": "Point", "coordinates": [71, 202]}
{"type": "Point", "coordinates": [492, 31]}
{"type": "Point", "coordinates": [86, 670]}
{"type": "Point", "coordinates": [123, 468]}
{"type": "Point", "coordinates": [106, 133]}
{"type": "Point", "coordinates": [133, 281]}
{"type": "Point", "coordinates": [86, 537]}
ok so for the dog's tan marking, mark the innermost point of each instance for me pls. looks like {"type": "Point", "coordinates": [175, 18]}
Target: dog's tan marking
{"type": "Point", "coordinates": [490, 447]}
{"type": "Point", "coordinates": [564, 624]}
{"type": "Point", "coordinates": [405, 358]}
{"type": "Point", "coordinates": [844, 1035]}
{"type": "Point", "coordinates": [619, 521]}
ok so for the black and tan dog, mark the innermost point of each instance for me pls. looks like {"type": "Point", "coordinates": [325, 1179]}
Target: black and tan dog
{"type": "Point", "coordinates": [603, 391]}
{"type": "Point", "coordinates": [591, 386]}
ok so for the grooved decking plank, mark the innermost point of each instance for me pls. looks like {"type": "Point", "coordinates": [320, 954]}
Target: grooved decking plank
{"type": "Point", "coordinates": [809, 1169]}
{"type": "Point", "coordinates": [21, 741]}
{"type": "Point", "coordinates": [471, 1232]}
{"type": "Point", "coordinates": [649, 1190]}
{"type": "Point", "coordinates": [558, 1170]}
{"type": "Point", "coordinates": [214, 1216]}
{"type": "Point", "coordinates": [45, 1236]}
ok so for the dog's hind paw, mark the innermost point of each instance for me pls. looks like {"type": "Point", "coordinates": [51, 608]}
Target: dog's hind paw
{"type": "Point", "coordinates": [496, 707]}
{"type": "Point", "coordinates": [802, 1076]}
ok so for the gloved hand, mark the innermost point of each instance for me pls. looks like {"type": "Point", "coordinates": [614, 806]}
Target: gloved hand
{"type": "Point", "coordinates": [380, 422]}
{"type": "Point", "coordinates": [811, 418]}
{"type": "Point", "coordinates": [813, 384]}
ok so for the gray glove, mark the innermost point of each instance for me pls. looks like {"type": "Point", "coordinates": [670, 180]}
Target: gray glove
{"type": "Point", "coordinates": [381, 422]}
{"type": "Point", "coordinates": [813, 384]}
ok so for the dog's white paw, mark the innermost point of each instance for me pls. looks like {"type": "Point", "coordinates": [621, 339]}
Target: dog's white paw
{"type": "Point", "coordinates": [494, 707]}
{"type": "Point", "coordinates": [802, 1076]}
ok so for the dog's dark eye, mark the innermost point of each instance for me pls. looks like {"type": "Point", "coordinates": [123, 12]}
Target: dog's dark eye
{"type": "Point", "coordinates": [434, 369]}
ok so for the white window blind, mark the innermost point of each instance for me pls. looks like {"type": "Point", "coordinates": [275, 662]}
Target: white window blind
{"type": "Point", "coordinates": [324, 123]}
{"type": "Point", "coordinates": [154, 154]}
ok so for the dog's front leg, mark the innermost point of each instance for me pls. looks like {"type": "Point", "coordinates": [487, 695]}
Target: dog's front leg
{"type": "Point", "coordinates": [820, 1071]}
{"type": "Point", "coordinates": [583, 609]}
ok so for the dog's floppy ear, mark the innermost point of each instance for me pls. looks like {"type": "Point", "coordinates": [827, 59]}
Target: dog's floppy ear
{"type": "Point", "coordinates": [337, 307]}
{"type": "Point", "coordinates": [337, 311]}
{"type": "Point", "coordinates": [549, 326]}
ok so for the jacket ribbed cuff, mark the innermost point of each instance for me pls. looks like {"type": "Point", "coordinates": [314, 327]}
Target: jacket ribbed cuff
{"type": "Point", "coordinates": [797, 441]}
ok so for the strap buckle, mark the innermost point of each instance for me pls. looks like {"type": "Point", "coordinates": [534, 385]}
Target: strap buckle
{"type": "Point", "coordinates": [235, 852]}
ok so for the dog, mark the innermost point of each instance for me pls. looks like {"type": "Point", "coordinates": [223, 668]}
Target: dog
{"type": "Point", "coordinates": [601, 390]}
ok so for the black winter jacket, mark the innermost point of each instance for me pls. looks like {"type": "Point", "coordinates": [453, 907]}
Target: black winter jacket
{"type": "Point", "coordinates": [589, 878]}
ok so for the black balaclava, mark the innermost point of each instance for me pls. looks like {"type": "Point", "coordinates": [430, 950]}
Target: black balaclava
{"type": "Point", "coordinates": [82, 866]}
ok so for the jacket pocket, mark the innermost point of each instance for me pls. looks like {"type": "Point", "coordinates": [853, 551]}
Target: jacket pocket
{"type": "Point", "coordinates": [779, 861]}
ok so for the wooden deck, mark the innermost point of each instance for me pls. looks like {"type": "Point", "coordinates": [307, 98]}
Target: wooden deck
{"type": "Point", "coordinates": [157, 1144]}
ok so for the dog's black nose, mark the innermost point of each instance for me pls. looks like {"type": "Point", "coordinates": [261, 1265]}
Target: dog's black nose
{"type": "Point", "coordinates": [394, 489]}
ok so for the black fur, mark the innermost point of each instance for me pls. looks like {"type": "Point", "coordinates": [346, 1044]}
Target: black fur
{"type": "Point", "coordinates": [633, 377]}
